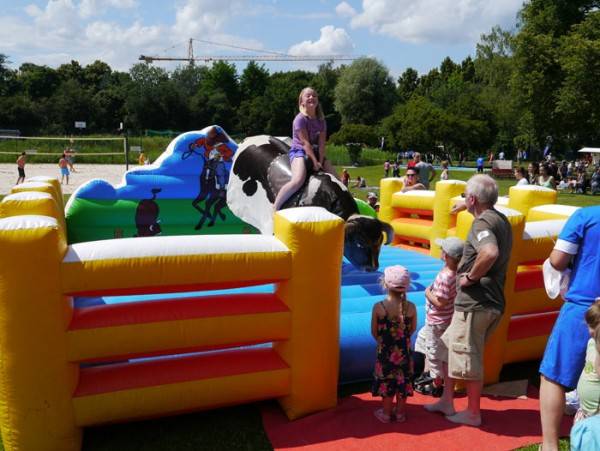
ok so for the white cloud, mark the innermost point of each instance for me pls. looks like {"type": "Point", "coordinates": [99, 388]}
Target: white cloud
{"type": "Point", "coordinates": [332, 41]}
{"type": "Point", "coordinates": [434, 20]}
{"type": "Point", "coordinates": [90, 8]}
{"type": "Point", "coordinates": [345, 10]}
{"type": "Point", "coordinates": [205, 17]}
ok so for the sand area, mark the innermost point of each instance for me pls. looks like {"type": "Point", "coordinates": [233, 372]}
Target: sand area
{"type": "Point", "coordinates": [112, 173]}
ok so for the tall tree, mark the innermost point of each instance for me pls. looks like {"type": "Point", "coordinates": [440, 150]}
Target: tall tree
{"type": "Point", "coordinates": [325, 81]}
{"type": "Point", "coordinates": [579, 96]}
{"type": "Point", "coordinates": [539, 75]}
{"type": "Point", "coordinates": [253, 81]}
{"type": "Point", "coordinates": [365, 92]}
{"type": "Point", "coordinates": [407, 84]}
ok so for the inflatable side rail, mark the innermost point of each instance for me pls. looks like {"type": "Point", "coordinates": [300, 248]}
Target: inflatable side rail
{"type": "Point", "coordinates": [47, 396]}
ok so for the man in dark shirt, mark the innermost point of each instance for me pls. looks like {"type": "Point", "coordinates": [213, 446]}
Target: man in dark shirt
{"type": "Point", "coordinates": [479, 302]}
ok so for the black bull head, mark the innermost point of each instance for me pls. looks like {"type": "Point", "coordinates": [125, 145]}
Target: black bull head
{"type": "Point", "coordinates": [363, 237]}
{"type": "Point", "coordinates": [261, 167]}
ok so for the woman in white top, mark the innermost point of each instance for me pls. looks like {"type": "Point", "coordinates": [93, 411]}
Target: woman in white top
{"type": "Point", "coordinates": [521, 176]}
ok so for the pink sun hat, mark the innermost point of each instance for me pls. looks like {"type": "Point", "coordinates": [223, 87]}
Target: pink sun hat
{"type": "Point", "coordinates": [396, 277]}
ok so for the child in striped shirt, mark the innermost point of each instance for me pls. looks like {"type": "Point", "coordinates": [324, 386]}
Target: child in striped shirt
{"type": "Point", "coordinates": [439, 309]}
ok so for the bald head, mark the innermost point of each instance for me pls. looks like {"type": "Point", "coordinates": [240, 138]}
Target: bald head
{"type": "Point", "coordinates": [484, 189]}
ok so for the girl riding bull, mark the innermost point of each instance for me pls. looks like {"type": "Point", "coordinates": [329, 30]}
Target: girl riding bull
{"type": "Point", "coordinates": [309, 133]}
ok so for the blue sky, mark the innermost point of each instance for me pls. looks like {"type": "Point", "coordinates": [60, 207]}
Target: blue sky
{"type": "Point", "coordinates": [399, 33]}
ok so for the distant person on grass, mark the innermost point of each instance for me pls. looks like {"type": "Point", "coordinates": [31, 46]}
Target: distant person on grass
{"type": "Point", "coordinates": [142, 159]}
{"type": "Point", "coordinates": [425, 170]}
{"type": "Point", "coordinates": [393, 320]}
{"type": "Point", "coordinates": [479, 303]}
{"type": "Point", "coordinates": [479, 164]}
{"type": "Point", "coordinates": [70, 156]}
{"type": "Point", "coordinates": [63, 164]}
{"type": "Point", "coordinates": [21, 167]}
{"type": "Point", "coordinates": [445, 175]}
{"type": "Point", "coordinates": [372, 200]}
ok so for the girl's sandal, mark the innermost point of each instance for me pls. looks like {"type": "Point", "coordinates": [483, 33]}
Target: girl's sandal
{"type": "Point", "coordinates": [400, 418]}
{"type": "Point", "coordinates": [381, 416]}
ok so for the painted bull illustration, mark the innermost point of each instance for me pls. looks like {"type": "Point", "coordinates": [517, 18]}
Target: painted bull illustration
{"type": "Point", "coordinates": [261, 166]}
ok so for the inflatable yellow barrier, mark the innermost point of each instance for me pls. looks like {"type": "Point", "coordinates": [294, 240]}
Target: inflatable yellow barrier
{"type": "Point", "coordinates": [47, 396]}
{"type": "Point", "coordinates": [536, 222]}
{"type": "Point", "coordinates": [419, 216]}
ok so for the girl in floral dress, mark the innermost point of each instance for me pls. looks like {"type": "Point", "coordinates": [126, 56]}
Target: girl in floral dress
{"type": "Point", "coordinates": [393, 321]}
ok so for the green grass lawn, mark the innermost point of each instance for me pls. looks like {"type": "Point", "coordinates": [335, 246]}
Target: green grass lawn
{"type": "Point", "coordinates": [240, 428]}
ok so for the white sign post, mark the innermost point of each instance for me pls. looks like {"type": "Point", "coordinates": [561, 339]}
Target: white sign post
{"type": "Point", "coordinates": [80, 124]}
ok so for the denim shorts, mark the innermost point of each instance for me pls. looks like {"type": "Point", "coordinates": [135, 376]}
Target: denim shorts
{"type": "Point", "coordinates": [564, 356]}
{"type": "Point", "coordinates": [297, 153]}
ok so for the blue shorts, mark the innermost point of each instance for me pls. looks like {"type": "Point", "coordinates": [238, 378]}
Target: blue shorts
{"type": "Point", "coordinates": [64, 171]}
{"type": "Point", "coordinates": [564, 356]}
{"type": "Point", "coordinates": [297, 153]}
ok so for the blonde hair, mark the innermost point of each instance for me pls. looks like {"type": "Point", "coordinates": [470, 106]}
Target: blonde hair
{"type": "Point", "coordinates": [319, 110]}
{"type": "Point", "coordinates": [592, 316]}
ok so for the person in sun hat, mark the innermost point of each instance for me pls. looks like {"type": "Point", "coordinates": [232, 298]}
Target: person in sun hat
{"type": "Point", "coordinates": [372, 200]}
{"type": "Point", "coordinates": [392, 322]}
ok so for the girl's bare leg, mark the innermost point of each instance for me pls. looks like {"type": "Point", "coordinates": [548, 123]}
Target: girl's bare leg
{"type": "Point", "coordinates": [298, 176]}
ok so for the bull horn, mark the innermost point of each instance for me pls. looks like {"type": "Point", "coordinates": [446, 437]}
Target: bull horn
{"type": "Point", "coordinates": [389, 232]}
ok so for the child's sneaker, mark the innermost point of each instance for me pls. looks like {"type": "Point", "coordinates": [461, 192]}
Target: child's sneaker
{"type": "Point", "coordinates": [381, 416]}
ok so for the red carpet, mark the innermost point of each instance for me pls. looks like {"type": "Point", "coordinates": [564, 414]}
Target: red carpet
{"type": "Point", "coordinates": [507, 424]}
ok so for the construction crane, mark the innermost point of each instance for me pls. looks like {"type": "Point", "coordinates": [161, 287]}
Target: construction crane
{"type": "Point", "coordinates": [268, 56]}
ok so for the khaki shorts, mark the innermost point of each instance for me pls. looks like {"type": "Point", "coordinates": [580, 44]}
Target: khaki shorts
{"type": "Point", "coordinates": [465, 339]}
{"type": "Point", "coordinates": [429, 342]}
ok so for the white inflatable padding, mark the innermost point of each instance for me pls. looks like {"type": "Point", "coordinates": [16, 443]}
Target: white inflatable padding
{"type": "Point", "coordinates": [417, 193]}
{"type": "Point", "coordinates": [27, 195]}
{"type": "Point", "coordinates": [24, 222]}
{"type": "Point", "coordinates": [162, 246]}
{"type": "Point", "coordinates": [540, 229]}
{"type": "Point", "coordinates": [308, 214]}
{"type": "Point", "coordinates": [502, 201]}
{"type": "Point", "coordinates": [566, 210]}
{"type": "Point", "coordinates": [451, 182]}
{"type": "Point", "coordinates": [34, 185]}
{"type": "Point", "coordinates": [41, 178]}
{"type": "Point", "coordinates": [508, 212]}
{"type": "Point", "coordinates": [532, 188]}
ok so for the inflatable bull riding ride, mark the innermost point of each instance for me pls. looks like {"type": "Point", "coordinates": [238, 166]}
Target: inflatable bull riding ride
{"type": "Point", "coordinates": [261, 166]}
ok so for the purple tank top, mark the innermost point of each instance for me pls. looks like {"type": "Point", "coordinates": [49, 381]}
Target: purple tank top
{"type": "Point", "coordinates": [314, 127]}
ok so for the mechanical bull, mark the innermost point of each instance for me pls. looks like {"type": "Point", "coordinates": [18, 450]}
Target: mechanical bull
{"type": "Point", "coordinates": [261, 166]}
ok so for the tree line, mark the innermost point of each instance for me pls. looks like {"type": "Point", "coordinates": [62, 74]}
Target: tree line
{"type": "Point", "coordinates": [521, 90]}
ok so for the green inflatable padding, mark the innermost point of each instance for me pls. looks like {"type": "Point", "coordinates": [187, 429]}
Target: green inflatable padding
{"type": "Point", "coordinates": [364, 208]}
